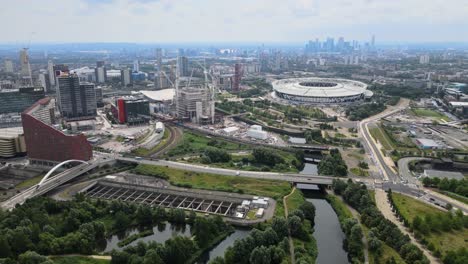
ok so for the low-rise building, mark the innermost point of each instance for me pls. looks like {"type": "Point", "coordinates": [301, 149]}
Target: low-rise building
{"type": "Point", "coordinates": [425, 143]}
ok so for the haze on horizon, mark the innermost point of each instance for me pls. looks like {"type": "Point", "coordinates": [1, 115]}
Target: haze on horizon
{"type": "Point", "coordinates": [232, 21]}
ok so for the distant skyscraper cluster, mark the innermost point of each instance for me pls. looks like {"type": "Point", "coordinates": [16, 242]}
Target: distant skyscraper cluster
{"type": "Point", "coordinates": [330, 45]}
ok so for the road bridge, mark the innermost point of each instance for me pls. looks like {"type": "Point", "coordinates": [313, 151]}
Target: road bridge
{"type": "Point", "coordinates": [49, 183]}
{"type": "Point", "coordinates": [290, 177]}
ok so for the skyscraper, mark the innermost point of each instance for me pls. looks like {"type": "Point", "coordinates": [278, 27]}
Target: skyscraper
{"type": "Point", "coordinates": [183, 66]}
{"type": "Point", "coordinates": [9, 66]}
{"type": "Point", "coordinates": [75, 101]}
{"type": "Point", "coordinates": [25, 66]}
{"type": "Point", "coordinates": [136, 66]}
{"type": "Point", "coordinates": [373, 41]}
{"type": "Point", "coordinates": [101, 74]}
{"type": "Point", "coordinates": [125, 77]}
{"type": "Point", "coordinates": [159, 58]}
{"type": "Point", "coordinates": [50, 70]}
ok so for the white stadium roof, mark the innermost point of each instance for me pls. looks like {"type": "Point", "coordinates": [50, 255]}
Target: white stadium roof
{"type": "Point", "coordinates": [319, 87]}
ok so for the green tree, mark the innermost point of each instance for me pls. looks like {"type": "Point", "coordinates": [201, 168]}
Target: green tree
{"type": "Point", "coordinates": [31, 257]}
{"type": "Point", "coordinates": [260, 255]}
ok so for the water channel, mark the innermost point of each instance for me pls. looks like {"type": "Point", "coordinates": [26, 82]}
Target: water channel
{"type": "Point", "coordinates": [328, 234]}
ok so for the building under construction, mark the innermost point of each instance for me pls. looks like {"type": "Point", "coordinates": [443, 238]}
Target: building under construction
{"type": "Point", "coordinates": [195, 105]}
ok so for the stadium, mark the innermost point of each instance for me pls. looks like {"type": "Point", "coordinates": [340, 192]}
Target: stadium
{"type": "Point", "coordinates": [320, 90]}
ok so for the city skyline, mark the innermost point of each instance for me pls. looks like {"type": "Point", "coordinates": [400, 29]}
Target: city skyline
{"type": "Point", "coordinates": [147, 21]}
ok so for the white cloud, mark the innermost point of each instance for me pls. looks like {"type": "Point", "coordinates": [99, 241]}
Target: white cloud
{"type": "Point", "coordinates": [241, 20]}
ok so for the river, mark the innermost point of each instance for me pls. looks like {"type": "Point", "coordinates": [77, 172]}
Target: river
{"type": "Point", "coordinates": [328, 234]}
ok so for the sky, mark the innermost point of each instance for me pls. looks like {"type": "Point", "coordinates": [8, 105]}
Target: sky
{"type": "Point", "coordinates": [289, 21]}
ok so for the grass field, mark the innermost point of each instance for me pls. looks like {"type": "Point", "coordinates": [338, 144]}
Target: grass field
{"type": "Point", "coordinates": [295, 200]}
{"type": "Point", "coordinates": [359, 172]}
{"type": "Point", "coordinates": [195, 143]}
{"type": "Point", "coordinates": [79, 260]}
{"type": "Point", "coordinates": [274, 189]}
{"type": "Point", "coordinates": [410, 208]}
{"type": "Point", "coordinates": [30, 182]}
{"type": "Point", "coordinates": [340, 208]}
{"type": "Point", "coordinates": [429, 113]}
{"type": "Point", "coordinates": [380, 136]}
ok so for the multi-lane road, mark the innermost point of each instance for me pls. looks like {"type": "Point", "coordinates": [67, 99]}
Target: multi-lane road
{"type": "Point", "coordinates": [401, 181]}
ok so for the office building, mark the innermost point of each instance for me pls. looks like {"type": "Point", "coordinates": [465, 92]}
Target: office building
{"type": "Point", "coordinates": [75, 101]}
{"type": "Point", "coordinates": [9, 67]}
{"type": "Point", "coordinates": [47, 145]}
{"type": "Point", "coordinates": [17, 100]}
{"type": "Point", "coordinates": [133, 110]}
{"type": "Point", "coordinates": [125, 77]}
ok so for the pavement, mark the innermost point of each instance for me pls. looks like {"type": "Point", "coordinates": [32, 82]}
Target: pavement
{"type": "Point", "coordinates": [384, 207]}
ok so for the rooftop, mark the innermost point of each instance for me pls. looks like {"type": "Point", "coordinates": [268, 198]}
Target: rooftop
{"type": "Point", "coordinates": [443, 174]}
{"type": "Point", "coordinates": [160, 95]}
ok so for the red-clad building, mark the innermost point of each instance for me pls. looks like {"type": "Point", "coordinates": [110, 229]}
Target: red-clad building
{"type": "Point", "coordinates": [47, 145]}
{"type": "Point", "coordinates": [122, 112]}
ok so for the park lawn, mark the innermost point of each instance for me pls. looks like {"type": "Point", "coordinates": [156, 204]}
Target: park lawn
{"type": "Point", "coordinates": [30, 182]}
{"type": "Point", "coordinates": [410, 208]}
{"type": "Point", "coordinates": [380, 136]}
{"type": "Point", "coordinates": [79, 260]}
{"type": "Point", "coordinates": [189, 179]}
{"type": "Point", "coordinates": [295, 200]}
{"type": "Point", "coordinates": [429, 113]}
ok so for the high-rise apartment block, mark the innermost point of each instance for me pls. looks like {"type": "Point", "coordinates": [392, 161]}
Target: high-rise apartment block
{"type": "Point", "coordinates": [75, 101]}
